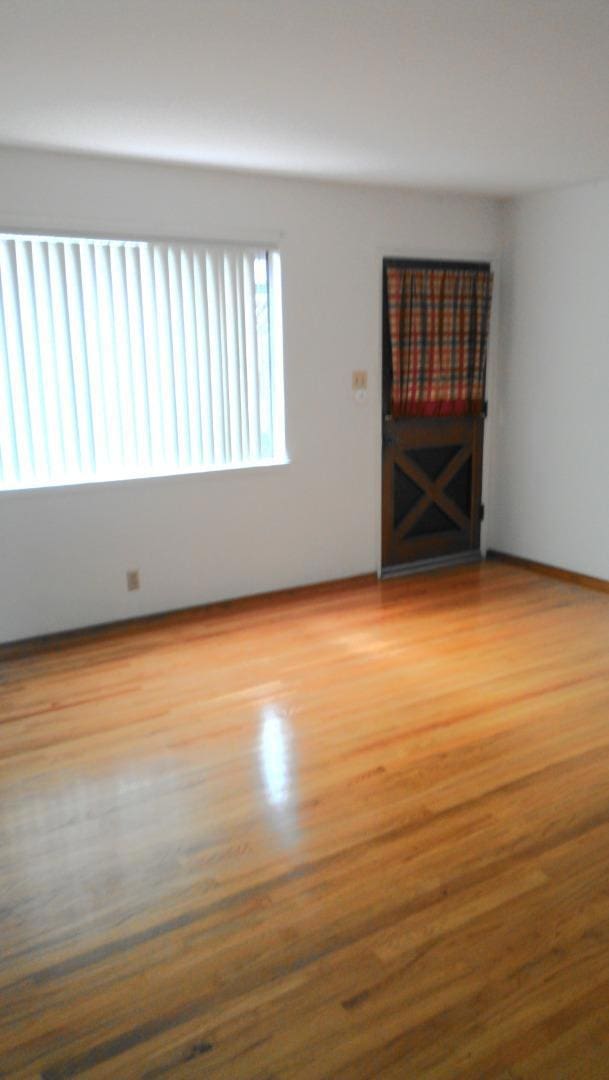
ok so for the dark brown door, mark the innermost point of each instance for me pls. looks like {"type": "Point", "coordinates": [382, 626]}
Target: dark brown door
{"type": "Point", "coordinates": [432, 470]}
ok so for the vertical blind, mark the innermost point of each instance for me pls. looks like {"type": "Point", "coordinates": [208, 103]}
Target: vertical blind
{"type": "Point", "coordinates": [128, 358]}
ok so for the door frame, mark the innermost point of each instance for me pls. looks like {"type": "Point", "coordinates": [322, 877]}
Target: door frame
{"type": "Point", "coordinates": [493, 420]}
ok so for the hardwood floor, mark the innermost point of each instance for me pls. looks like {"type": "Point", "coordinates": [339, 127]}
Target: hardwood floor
{"type": "Point", "coordinates": [361, 831]}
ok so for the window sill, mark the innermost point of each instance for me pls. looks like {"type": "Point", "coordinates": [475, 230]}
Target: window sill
{"type": "Point", "coordinates": [146, 478]}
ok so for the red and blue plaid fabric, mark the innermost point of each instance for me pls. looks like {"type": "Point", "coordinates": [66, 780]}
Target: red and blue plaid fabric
{"type": "Point", "coordinates": [438, 329]}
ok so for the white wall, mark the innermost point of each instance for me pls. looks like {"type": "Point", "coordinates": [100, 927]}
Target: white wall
{"type": "Point", "coordinates": [64, 553]}
{"type": "Point", "coordinates": [551, 460]}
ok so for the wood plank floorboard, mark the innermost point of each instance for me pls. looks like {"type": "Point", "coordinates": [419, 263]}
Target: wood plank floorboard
{"type": "Point", "coordinates": [360, 831]}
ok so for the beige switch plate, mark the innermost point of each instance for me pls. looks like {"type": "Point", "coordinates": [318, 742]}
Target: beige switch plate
{"type": "Point", "coordinates": [359, 380]}
{"type": "Point", "coordinates": [133, 580]}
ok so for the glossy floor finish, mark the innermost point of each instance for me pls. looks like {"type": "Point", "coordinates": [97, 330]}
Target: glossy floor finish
{"type": "Point", "coordinates": [360, 831]}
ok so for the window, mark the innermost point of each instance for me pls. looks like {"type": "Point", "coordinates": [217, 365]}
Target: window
{"type": "Point", "coordinates": [128, 358]}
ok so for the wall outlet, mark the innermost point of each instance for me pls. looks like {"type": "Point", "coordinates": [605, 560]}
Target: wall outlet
{"type": "Point", "coordinates": [133, 580]}
{"type": "Point", "coordinates": [359, 380]}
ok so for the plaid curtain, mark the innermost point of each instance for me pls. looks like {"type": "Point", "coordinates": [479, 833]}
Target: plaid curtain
{"type": "Point", "coordinates": [438, 332]}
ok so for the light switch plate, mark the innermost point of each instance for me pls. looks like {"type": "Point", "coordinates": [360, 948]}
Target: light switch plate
{"type": "Point", "coordinates": [133, 580]}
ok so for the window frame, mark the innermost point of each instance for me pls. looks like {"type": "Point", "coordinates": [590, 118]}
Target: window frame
{"type": "Point", "coordinates": [281, 458]}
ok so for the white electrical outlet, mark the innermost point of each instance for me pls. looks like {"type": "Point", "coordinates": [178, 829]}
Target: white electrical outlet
{"type": "Point", "coordinates": [133, 580]}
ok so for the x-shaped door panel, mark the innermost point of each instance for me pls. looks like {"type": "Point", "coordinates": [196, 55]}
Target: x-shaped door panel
{"type": "Point", "coordinates": [433, 490]}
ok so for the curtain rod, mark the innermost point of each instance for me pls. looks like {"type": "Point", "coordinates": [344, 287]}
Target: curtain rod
{"type": "Point", "coordinates": [433, 264]}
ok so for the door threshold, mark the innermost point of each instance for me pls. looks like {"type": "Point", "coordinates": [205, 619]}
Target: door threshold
{"type": "Point", "coordinates": [422, 565]}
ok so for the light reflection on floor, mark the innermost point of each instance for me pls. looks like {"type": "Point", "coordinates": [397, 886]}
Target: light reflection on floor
{"type": "Point", "coordinates": [275, 756]}
{"type": "Point", "coordinates": [278, 772]}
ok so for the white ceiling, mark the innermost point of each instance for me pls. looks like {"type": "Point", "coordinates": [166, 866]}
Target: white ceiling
{"type": "Point", "coordinates": [494, 96]}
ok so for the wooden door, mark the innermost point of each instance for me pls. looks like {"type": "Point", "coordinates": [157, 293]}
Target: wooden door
{"type": "Point", "coordinates": [432, 473]}
{"type": "Point", "coordinates": [432, 476]}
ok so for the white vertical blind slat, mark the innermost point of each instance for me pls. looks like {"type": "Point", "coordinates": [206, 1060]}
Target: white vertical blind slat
{"type": "Point", "coordinates": [16, 363]}
{"type": "Point", "coordinates": [207, 364]}
{"type": "Point", "coordinates": [135, 318]}
{"type": "Point", "coordinates": [106, 324]}
{"type": "Point", "coordinates": [9, 455]}
{"type": "Point", "coordinates": [51, 383]}
{"type": "Point", "coordinates": [55, 254]}
{"type": "Point", "coordinates": [263, 343]}
{"type": "Point", "coordinates": [28, 327]}
{"type": "Point", "coordinates": [94, 363]}
{"type": "Point", "coordinates": [80, 361]}
{"type": "Point", "coordinates": [232, 355]}
{"type": "Point", "coordinates": [251, 346]}
{"type": "Point", "coordinates": [239, 321]}
{"type": "Point", "coordinates": [178, 353]}
{"type": "Point", "coordinates": [193, 390]}
{"type": "Point", "coordinates": [122, 353]}
{"type": "Point", "coordinates": [127, 358]}
{"type": "Point", "coordinates": [219, 363]}
{"type": "Point", "coordinates": [275, 351]}
{"type": "Point", "coordinates": [163, 331]}
{"type": "Point", "coordinates": [151, 353]}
